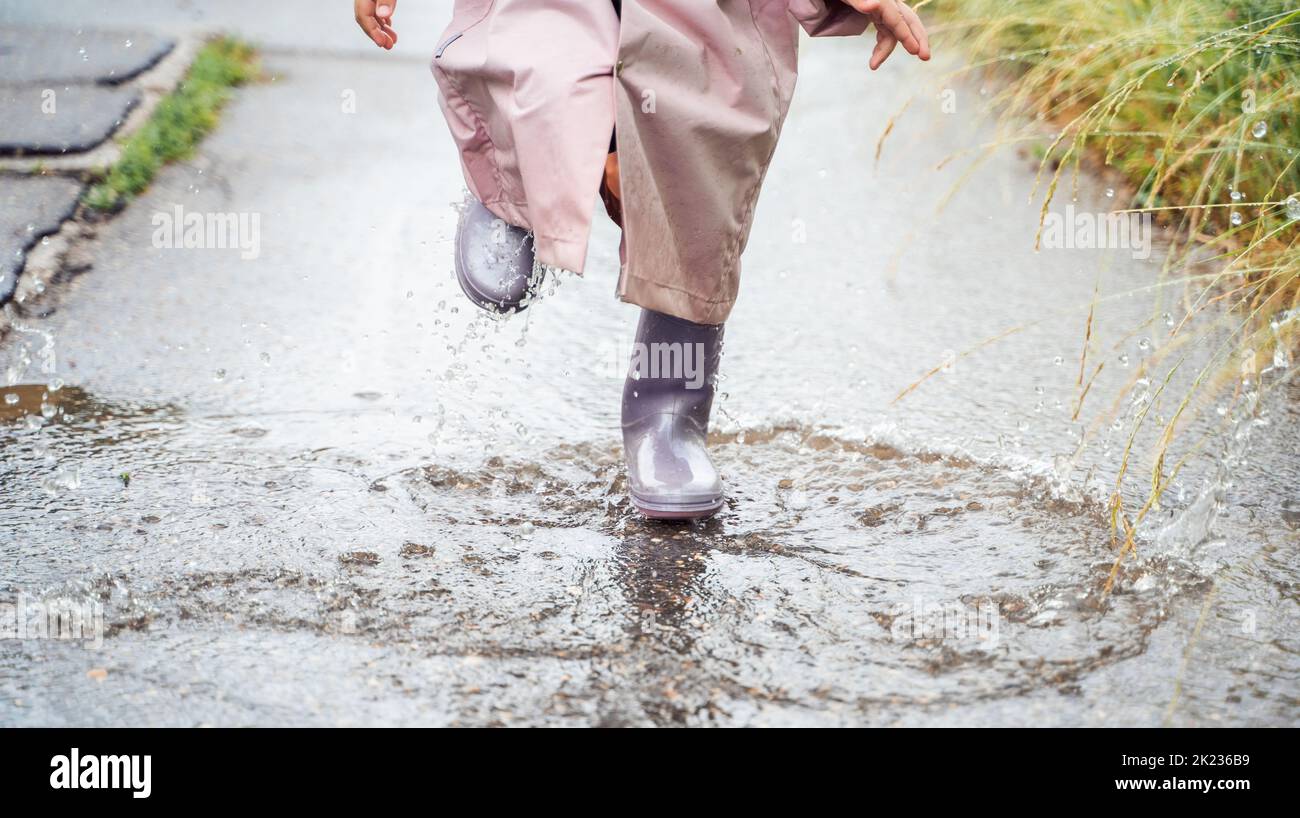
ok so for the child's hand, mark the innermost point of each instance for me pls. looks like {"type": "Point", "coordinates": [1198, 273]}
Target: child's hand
{"type": "Point", "coordinates": [376, 19]}
{"type": "Point", "coordinates": [895, 23]}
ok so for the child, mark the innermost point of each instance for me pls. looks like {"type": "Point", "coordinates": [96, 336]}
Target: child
{"type": "Point", "coordinates": [671, 109]}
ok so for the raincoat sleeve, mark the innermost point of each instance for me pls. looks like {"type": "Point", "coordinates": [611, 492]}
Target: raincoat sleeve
{"type": "Point", "coordinates": [829, 18]}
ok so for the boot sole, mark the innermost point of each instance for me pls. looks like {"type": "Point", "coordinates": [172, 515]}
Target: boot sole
{"type": "Point", "coordinates": [477, 298]}
{"type": "Point", "coordinates": [676, 511]}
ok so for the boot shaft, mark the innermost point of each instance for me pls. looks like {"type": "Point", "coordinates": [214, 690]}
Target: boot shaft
{"type": "Point", "coordinates": [673, 370]}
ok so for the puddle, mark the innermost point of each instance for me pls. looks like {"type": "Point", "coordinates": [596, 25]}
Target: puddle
{"type": "Point", "coordinates": [844, 575]}
{"type": "Point", "coordinates": [850, 578]}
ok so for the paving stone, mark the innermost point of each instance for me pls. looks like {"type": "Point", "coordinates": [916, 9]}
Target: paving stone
{"type": "Point", "coordinates": [51, 56]}
{"type": "Point", "coordinates": [61, 119]}
{"type": "Point", "coordinates": [30, 207]}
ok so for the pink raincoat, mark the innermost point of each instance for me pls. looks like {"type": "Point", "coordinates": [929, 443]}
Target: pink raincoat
{"type": "Point", "coordinates": [698, 89]}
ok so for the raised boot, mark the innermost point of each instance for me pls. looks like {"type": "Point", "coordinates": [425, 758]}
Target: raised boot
{"type": "Point", "coordinates": [666, 403]}
{"type": "Point", "coordinates": [494, 260]}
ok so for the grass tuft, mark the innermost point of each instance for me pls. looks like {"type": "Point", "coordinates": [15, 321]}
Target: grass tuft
{"type": "Point", "coordinates": [1195, 102]}
{"type": "Point", "coordinates": [178, 124]}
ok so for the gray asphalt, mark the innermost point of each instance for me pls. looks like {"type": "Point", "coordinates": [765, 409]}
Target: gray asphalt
{"type": "Point", "coordinates": [62, 90]}
{"type": "Point", "coordinates": [352, 500]}
{"type": "Point", "coordinates": [67, 89]}
{"type": "Point", "coordinates": [31, 208]}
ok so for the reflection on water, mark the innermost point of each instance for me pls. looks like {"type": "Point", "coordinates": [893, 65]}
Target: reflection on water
{"type": "Point", "coordinates": [50, 432]}
{"type": "Point", "coordinates": [69, 406]}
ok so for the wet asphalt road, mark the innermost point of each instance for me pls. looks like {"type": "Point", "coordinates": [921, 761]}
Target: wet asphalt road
{"type": "Point", "coordinates": [352, 500]}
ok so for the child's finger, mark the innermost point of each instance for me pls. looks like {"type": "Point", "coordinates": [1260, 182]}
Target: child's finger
{"type": "Point", "coordinates": [388, 30]}
{"type": "Point", "coordinates": [918, 29]}
{"type": "Point", "coordinates": [894, 22]}
{"type": "Point", "coordinates": [371, 27]}
{"type": "Point", "coordinates": [385, 11]}
{"type": "Point", "coordinates": [885, 42]}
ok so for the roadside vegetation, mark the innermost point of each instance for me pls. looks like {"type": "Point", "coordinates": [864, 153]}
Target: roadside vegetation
{"type": "Point", "coordinates": [1194, 105]}
{"type": "Point", "coordinates": [177, 124]}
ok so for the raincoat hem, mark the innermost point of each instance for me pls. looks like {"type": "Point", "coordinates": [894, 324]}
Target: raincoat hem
{"type": "Point", "coordinates": [556, 251]}
{"type": "Point", "coordinates": [673, 300]}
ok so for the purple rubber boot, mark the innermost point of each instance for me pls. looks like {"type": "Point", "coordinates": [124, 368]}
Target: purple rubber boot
{"type": "Point", "coordinates": [666, 402]}
{"type": "Point", "coordinates": [494, 260]}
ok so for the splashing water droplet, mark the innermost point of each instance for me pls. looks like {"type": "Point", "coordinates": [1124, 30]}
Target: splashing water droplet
{"type": "Point", "coordinates": [1260, 130]}
{"type": "Point", "coordinates": [265, 358]}
{"type": "Point", "coordinates": [63, 479]}
{"type": "Point", "coordinates": [1236, 218]}
{"type": "Point", "coordinates": [219, 375]}
{"type": "Point", "coordinates": [1110, 193]}
{"type": "Point", "coordinates": [1293, 208]}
